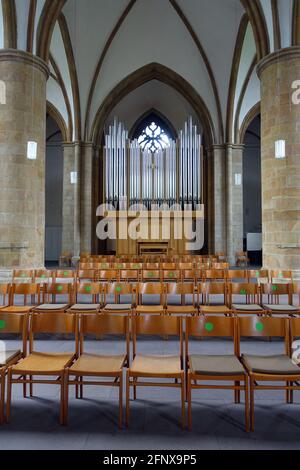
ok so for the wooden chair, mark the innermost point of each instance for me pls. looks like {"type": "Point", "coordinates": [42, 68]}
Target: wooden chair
{"type": "Point", "coordinates": [261, 276]}
{"type": "Point", "coordinates": [108, 275]}
{"type": "Point", "coordinates": [129, 275]}
{"type": "Point", "coordinates": [5, 294]}
{"type": "Point", "coordinates": [65, 259]}
{"type": "Point", "coordinates": [22, 276]}
{"type": "Point", "coordinates": [237, 275]}
{"type": "Point", "coordinates": [214, 368]}
{"type": "Point", "coordinates": [168, 266]}
{"type": "Point", "coordinates": [92, 292]}
{"type": "Point", "coordinates": [221, 256]}
{"type": "Point", "coordinates": [11, 323]}
{"type": "Point", "coordinates": [250, 292]}
{"type": "Point", "coordinates": [30, 294]}
{"type": "Point", "coordinates": [86, 275]}
{"type": "Point", "coordinates": [99, 366]}
{"type": "Point", "coordinates": [213, 275]}
{"type": "Point", "coordinates": [241, 258]}
{"type": "Point", "coordinates": [41, 276]}
{"type": "Point", "coordinates": [119, 289]}
{"type": "Point", "coordinates": [144, 368]}
{"type": "Point", "coordinates": [63, 275]}
{"type": "Point", "coordinates": [150, 289]}
{"type": "Point", "coordinates": [190, 275]}
{"type": "Point", "coordinates": [216, 289]}
{"type": "Point", "coordinates": [275, 304]}
{"type": "Point", "coordinates": [45, 364]}
{"type": "Point", "coordinates": [51, 294]}
{"type": "Point", "coordinates": [150, 275]}
{"type": "Point", "coordinates": [223, 266]}
{"type": "Point", "coordinates": [295, 291]}
{"type": "Point", "coordinates": [281, 276]}
{"type": "Point", "coordinates": [264, 369]}
{"type": "Point", "coordinates": [170, 276]}
{"type": "Point", "coordinates": [182, 290]}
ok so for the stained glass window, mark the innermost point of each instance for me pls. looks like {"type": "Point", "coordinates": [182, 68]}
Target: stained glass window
{"type": "Point", "coordinates": [154, 138]}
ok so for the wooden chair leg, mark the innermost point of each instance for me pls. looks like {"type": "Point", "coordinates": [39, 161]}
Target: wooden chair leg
{"type": "Point", "coordinates": [251, 404]}
{"type": "Point", "coordinates": [134, 388]}
{"type": "Point", "coordinates": [24, 387]}
{"type": "Point", "coordinates": [182, 401]}
{"type": "Point", "coordinates": [127, 397]}
{"type": "Point", "coordinates": [237, 393]}
{"type": "Point", "coordinates": [2, 399]}
{"type": "Point", "coordinates": [291, 394]}
{"type": "Point", "coordinates": [31, 387]}
{"type": "Point", "coordinates": [121, 400]}
{"type": "Point", "coordinates": [8, 399]}
{"type": "Point", "coordinates": [189, 400]}
{"type": "Point", "coordinates": [66, 398]}
{"type": "Point", "coordinates": [247, 418]}
{"type": "Point", "coordinates": [287, 394]}
{"type": "Point", "coordinates": [81, 389]}
{"type": "Point", "coordinates": [62, 398]}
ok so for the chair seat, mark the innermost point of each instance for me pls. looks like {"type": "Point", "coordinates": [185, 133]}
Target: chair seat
{"type": "Point", "coordinates": [156, 365]}
{"type": "Point", "coordinates": [278, 365]}
{"type": "Point", "coordinates": [44, 362]}
{"type": "Point", "coordinates": [85, 307]}
{"type": "Point", "coordinates": [7, 356]}
{"type": "Point", "coordinates": [117, 307]}
{"type": "Point", "coordinates": [93, 363]}
{"type": "Point", "coordinates": [247, 307]}
{"type": "Point", "coordinates": [18, 308]}
{"type": "Point", "coordinates": [214, 309]}
{"type": "Point", "coordinates": [181, 309]}
{"type": "Point", "coordinates": [281, 308]}
{"type": "Point", "coordinates": [216, 365]}
{"type": "Point", "coordinates": [51, 307]}
{"type": "Point", "coordinates": [150, 309]}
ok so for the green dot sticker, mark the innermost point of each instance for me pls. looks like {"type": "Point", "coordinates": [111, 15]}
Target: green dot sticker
{"type": "Point", "coordinates": [59, 288]}
{"type": "Point", "coordinates": [2, 324]}
{"type": "Point", "coordinates": [104, 265]}
{"type": "Point", "coordinates": [257, 273]}
{"type": "Point", "coordinates": [136, 266]}
{"type": "Point", "coordinates": [209, 327]}
{"type": "Point", "coordinates": [150, 274]}
{"type": "Point", "coordinates": [171, 275]}
{"type": "Point", "coordinates": [88, 289]}
{"type": "Point", "coordinates": [119, 266]}
{"type": "Point", "coordinates": [243, 292]}
{"type": "Point", "coordinates": [23, 275]}
{"type": "Point", "coordinates": [259, 326]}
{"type": "Point", "coordinates": [43, 276]}
{"type": "Point", "coordinates": [280, 275]}
{"type": "Point", "coordinates": [274, 288]}
{"type": "Point", "coordinates": [119, 289]}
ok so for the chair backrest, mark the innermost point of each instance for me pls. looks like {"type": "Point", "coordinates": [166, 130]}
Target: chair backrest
{"type": "Point", "coordinates": [120, 288]}
{"type": "Point", "coordinates": [233, 274]}
{"type": "Point", "coordinates": [190, 274]}
{"type": "Point", "coordinates": [54, 323]}
{"type": "Point", "coordinates": [294, 323]}
{"type": "Point", "coordinates": [15, 323]}
{"type": "Point", "coordinates": [5, 293]}
{"type": "Point", "coordinates": [213, 274]}
{"type": "Point", "coordinates": [105, 325]}
{"type": "Point", "coordinates": [210, 327]}
{"type": "Point", "coordinates": [88, 289]}
{"type": "Point", "coordinates": [86, 274]}
{"type": "Point", "coordinates": [41, 276]}
{"type": "Point", "coordinates": [30, 293]}
{"type": "Point", "coordinates": [129, 274]}
{"type": "Point", "coordinates": [207, 289]}
{"type": "Point", "coordinates": [275, 291]}
{"type": "Point", "coordinates": [258, 274]}
{"type": "Point", "coordinates": [150, 288]}
{"type": "Point", "coordinates": [56, 289]}
{"type": "Point", "coordinates": [108, 275]}
{"type": "Point", "coordinates": [280, 274]}
{"type": "Point", "coordinates": [149, 274]}
{"type": "Point", "coordinates": [246, 289]}
{"type": "Point", "coordinates": [263, 327]}
{"type": "Point", "coordinates": [23, 275]}
{"type": "Point", "coordinates": [157, 325]}
{"type": "Point", "coordinates": [186, 266]}
{"type": "Point", "coordinates": [171, 275]}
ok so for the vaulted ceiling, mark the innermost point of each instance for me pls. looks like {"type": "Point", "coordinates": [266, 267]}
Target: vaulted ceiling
{"type": "Point", "coordinates": [203, 48]}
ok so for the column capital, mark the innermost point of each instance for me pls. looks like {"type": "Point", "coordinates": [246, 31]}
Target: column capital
{"type": "Point", "coordinates": [14, 55]}
{"type": "Point", "coordinates": [288, 53]}
{"type": "Point", "coordinates": [233, 146]}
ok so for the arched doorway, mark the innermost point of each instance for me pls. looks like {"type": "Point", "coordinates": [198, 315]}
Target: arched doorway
{"type": "Point", "coordinates": [53, 192]}
{"type": "Point", "coordinates": [252, 195]}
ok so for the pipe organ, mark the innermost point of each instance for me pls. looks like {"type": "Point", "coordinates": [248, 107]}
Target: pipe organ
{"type": "Point", "coordinates": [173, 175]}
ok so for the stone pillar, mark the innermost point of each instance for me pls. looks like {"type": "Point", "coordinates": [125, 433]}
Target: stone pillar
{"type": "Point", "coordinates": [71, 198]}
{"type": "Point", "coordinates": [87, 184]}
{"type": "Point", "coordinates": [22, 181]}
{"type": "Point", "coordinates": [218, 155]}
{"type": "Point", "coordinates": [280, 119]}
{"type": "Point", "coordinates": [234, 200]}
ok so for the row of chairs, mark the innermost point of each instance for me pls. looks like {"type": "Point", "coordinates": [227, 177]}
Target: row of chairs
{"type": "Point", "coordinates": [204, 298]}
{"type": "Point", "coordinates": [165, 272]}
{"type": "Point", "coordinates": [185, 371]}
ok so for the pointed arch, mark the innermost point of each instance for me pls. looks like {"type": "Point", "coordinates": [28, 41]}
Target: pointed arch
{"type": "Point", "coordinates": [255, 111]}
{"type": "Point", "coordinates": [147, 114]}
{"type": "Point", "coordinates": [259, 26]}
{"type": "Point", "coordinates": [57, 117]}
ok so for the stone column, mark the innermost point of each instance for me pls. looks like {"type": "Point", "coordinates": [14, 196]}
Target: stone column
{"type": "Point", "coordinates": [22, 181]}
{"type": "Point", "coordinates": [71, 198]}
{"type": "Point", "coordinates": [234, 200]}
{"type": "Point", "coordinates": [218, 155]}
{"type": "Point", "coordinates": [87, 184]}
{"type": "Point", "coordinates": [280, 119]}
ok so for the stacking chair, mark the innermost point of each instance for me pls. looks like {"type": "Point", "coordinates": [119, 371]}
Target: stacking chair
{"type": "Point", "coordinates": [150, 289]}
{"type": "Point", "coordinates": [30, 294]}
{"type": "Point", "coordinates": [170, 276]}
{"type": "Point", "coordinates": [249, 292]}
{"type": "Point", "coordinates": [42, 364]}
{"type": "Point", "coordinates": [213, 275]}
{"type": "Point", "coordinates": [129, 275]}
{"type": "Point", "coordinates": [92, 292]}
{"type": "Point", "coordinates": [86, 275]}
{"type": "Point", "coordinates": [90, 367]}
{"type": "Point", "coordinates": [182, 290]}
{"type": "Point", "coordinates": [260, 276]}
{"type": "Point", "coordinates": [218, 265]}
{"type": "Point", "coordinates": [149, 275]}
{"type": "Point", "coordinates": [52, 293]}
{"type": "Point", "coordinates": [169, 266]}
{"type": "Point", "coordinates": [144, 370]}
{"type": "Point", "coordinates": [241, 258]}
{"type": "Point", "coordinates": [221, 256]}
{"type": "Point", "coordinates": [41, 276]}
{"type": "Point", "coordinates": [265, 369]}
{"type": "Point", "coordinates": [22, 276]}
{"type": "Point", "coordinates": [295, 291]}
{"type": "Point", "coordinates": [64, 276]}
{"type": "Point", "coordinates": [205, 368]}
{"type": "Point", "coordinates": [119, 289]}
{"type": "Point", "coordinates": [237, 275]}
{"type": "Point", "coordinates": [108, 275]}
{"type": "Point", "coordinates": [216, 289]}
{"type": "Point", "coordinates": [190, 275]}
{"type": "Point", "coordinates": [276, 294]}
{"type": "Point", "coordinates": [65, 259]}
{"type": "Point", "coordinates": [281, 276]}
{"type": "Point", "coordinates": [16, 323]}
{"type": "Point", "coordinates": [5, 294]}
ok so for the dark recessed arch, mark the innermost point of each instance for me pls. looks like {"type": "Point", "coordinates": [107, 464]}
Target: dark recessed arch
{"type": "Point", "coordinates": [154, 71]}
{"type": "Point", "coordinates": [153, 113]}
{"type": "Point", "coordinates": [57, 117]}
{"type": "Point", "coordinates": [255, 111]}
